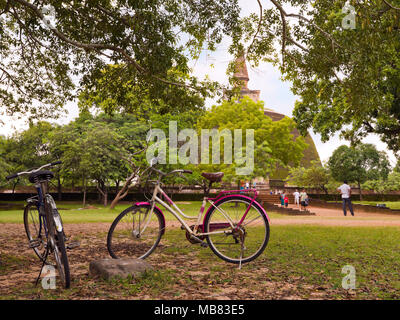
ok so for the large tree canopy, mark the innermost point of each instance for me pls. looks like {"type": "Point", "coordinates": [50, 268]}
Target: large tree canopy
{"type": "Point", "coordinates": [359, 164]}
{"type": "Point", "coordinates": [348, 79]}
{"type": "Point", "coordinates": [115, 92]}
{"type": "Point", "coordinates": [47, 44]}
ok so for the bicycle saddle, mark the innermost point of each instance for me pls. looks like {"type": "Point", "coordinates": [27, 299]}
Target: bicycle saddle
{"type": "Point", "coordinates": [213, 176]}
{"type": "Point", "coordinates": [41, 175]}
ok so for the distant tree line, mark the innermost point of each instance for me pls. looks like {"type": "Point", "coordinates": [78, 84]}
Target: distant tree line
{"type": "Point", "coordinates": [97, 149]}
{"type": "Point", "coordinates": [362, 165]}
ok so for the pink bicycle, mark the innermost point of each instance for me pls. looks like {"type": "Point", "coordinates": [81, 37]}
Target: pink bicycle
{"type": "Point", "coordinates": [235, 226]}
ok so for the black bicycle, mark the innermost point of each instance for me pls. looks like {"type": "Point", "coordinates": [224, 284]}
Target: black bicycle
{"type": "Point", "coordinates": [43, 224]}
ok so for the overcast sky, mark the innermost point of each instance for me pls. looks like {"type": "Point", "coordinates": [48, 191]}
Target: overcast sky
{"type": "Point", "coordinates": [275, 93]}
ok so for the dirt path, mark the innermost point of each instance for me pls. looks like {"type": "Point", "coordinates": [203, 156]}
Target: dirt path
{"type": "Point", "coordinates": [335, 217]}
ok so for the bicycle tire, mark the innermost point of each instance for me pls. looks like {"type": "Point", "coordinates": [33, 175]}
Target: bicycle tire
{"type": "Point", "coordinates": [63, 265]}
{"type": "Point", "coordinates": [128, 247]}
{"type": "Point", "coordinates": [208, 226]}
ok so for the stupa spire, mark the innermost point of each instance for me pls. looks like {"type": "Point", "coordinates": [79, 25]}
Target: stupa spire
{"type": "Point", "coordinates": [241, 71]}
{"type": "Point", "coordinates": [242, 74]}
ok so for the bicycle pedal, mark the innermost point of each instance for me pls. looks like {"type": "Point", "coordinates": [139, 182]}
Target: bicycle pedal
{"type": "Point", "coordinates": [204, 244]}
{"type": "Point", "coordinates": [73, 245]}
{"type": "Point", "coordinates": [34, 244]}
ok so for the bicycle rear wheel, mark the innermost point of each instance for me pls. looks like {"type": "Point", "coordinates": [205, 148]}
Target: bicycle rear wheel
{"type": "Point", "coordinates": [234, 242]}
{"type": "Point", "coordinates": [35, 230]}
{"type": "Point", "coordinates": [135, 233]}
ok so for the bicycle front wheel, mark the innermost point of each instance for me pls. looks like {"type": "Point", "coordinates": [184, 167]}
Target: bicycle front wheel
{"type": "Point", "coordinates": [60, 255]}
{"type": "Point", "coordinates": [234, 236]}
{"type": "Point", "coordinates": [135, 233]}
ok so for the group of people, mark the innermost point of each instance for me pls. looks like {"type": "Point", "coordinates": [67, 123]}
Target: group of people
{"type": "Point", "coordinates": [246, 185]}
{"type": "Point", "coordinates": [302, 199]}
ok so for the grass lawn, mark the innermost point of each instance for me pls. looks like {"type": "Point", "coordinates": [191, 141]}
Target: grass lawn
{"type": "Point", "coordinates": [300, 261]}
{"type": "Point", "coordinates": [72, 212]}
{"type": "Point", "coordinates": [389, 204]}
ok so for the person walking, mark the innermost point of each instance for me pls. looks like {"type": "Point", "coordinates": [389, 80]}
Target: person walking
{"type": "Point", "coordinates": [247, 185]}
{"type": "Point", "coordinates": [303, 200]}
{"type": "Point", "coordinates": [345, 190]}
{"type": "Point", "coordinates": [282, 198]}
{"type": "Point", "coordinates": [296, 195]}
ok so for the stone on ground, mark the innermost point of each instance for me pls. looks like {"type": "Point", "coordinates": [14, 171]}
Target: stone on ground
{"type": "Point", "coordinates": [121, 268]}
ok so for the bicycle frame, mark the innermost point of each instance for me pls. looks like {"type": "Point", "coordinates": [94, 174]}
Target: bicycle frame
{"type": "Point", "coordinates": [180, 215]}
{"type": "Point", "coordinates": [47, 208]}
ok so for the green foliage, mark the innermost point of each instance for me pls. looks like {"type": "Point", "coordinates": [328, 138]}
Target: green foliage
{"type": "Point", "coordinates": [350, 85]}
{"type": "Point", "coordinates": [29, 148]}
{"type": "Point", "coordinates": [4, 165]}
{"type": "Point", "coordinates": [397, 167]}
{"type": "Point", "coordinates": [116, 92]}
{"type": "Point", "coordinates": [348, 80]}
{"type": "Point", "coordinates": [40, 62]}
{"type": "Point", "coordinates": [392, 183]}
{"type": "Point", "coordinates": [274, 144]}
{"type": "Point", "coordinates": [297, 176]}
{"type": "Point", "coordinates": [96, 148]}
{"type": "Point", "coordinates": [358, 164]}
{"type": "Point", "coordinates": [316, 176]}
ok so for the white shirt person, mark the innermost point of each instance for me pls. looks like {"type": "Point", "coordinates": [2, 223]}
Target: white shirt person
{"type": "Point", "coordinates": [296, 197]}
{"type": "Point", "coordinates": [345, 190]}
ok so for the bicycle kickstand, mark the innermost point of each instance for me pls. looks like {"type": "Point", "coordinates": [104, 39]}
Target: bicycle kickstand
{"type": "Point", "coordinates": [44, 262]}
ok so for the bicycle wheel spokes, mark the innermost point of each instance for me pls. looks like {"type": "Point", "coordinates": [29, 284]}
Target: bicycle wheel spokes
{"type": "Point", "coordinates": [135, 233]}
{"type": "Point", "coordinates": [246, 240]}
{"type": "Point", "coordinates": [35, 230]}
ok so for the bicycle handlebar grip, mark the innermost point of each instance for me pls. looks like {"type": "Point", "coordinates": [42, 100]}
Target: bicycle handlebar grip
{"type": "Point", "coordinates": [187, 171]}
{"type": "Point", "coordinates": [56, 162]}
{"type": "Point", "coordinates": [12, 176]}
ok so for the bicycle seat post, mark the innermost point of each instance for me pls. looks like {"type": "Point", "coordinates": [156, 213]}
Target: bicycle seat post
{"type": "Point", "coordinates": [207, 188]}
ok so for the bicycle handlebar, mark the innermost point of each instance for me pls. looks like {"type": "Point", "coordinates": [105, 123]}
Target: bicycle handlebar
{"type": "Point", "coordinates": [15, 175]}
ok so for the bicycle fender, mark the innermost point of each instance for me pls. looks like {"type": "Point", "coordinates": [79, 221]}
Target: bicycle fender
{"type": "Point", "coordinates": [144, 203]}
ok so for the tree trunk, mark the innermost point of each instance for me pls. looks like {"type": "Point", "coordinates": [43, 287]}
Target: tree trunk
{"type": "Point", "coordinates": [14, 186]}
{"type": "Point", "coordinates": [84, 192]}
{"type": "Point", "coordinates": [59, 188]}
{"type": "Point", "coordinates": [124, 190]}
{"type": "Point", "coordinates": [117, 186]}
{"type": "Point", "coordinates": [105, 197]}
{"type": "Point", "coordinates": [359, 188]}
{"type": "Point", "coordinates": [103, 192]}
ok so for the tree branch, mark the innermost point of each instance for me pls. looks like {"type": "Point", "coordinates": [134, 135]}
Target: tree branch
{"type": "Point", "coordinates": [390, 5]}
{"type": "Point", "coordinates": [101, 46]}
{"type": "Point", "coordinates": [259, 26]}
{"type": "Point", "coordinates": [284, 26]}
{"type": "Point", "coordinates": [300, 17]}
